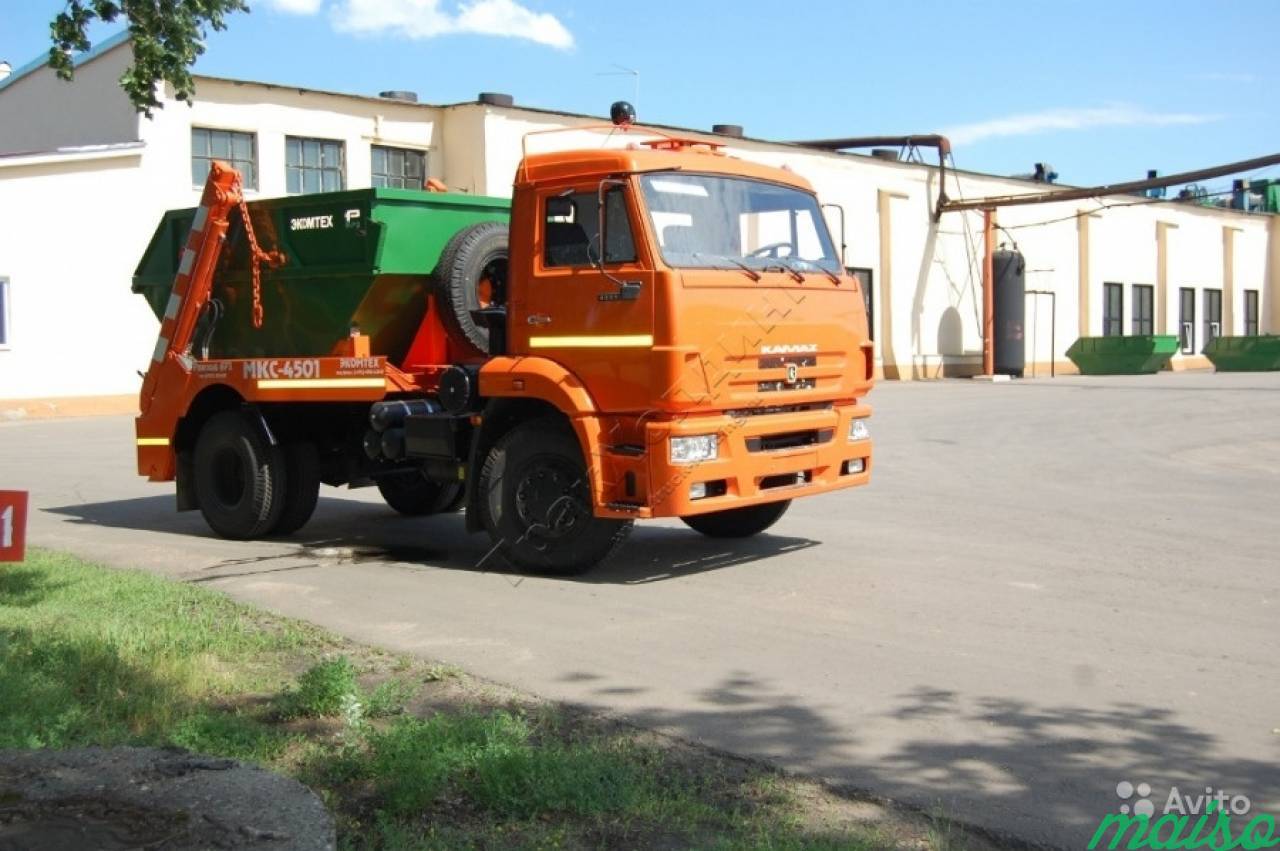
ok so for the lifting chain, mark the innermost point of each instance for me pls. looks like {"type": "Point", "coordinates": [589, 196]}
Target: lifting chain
{"type": "Point", "coordinates": [257, 257]}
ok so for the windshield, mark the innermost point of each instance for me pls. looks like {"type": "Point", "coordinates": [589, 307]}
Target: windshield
{"type": "Point", "coordinates": [709, 222]}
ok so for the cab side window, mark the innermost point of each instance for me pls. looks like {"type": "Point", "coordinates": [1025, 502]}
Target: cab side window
{"type": "Point", "coordinates": [571, 229]}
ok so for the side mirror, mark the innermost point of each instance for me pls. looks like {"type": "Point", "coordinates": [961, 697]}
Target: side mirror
{"type": "Point", "coordinates": [627, 290]}
{"type": "Point", "coordinates": [602, 218]}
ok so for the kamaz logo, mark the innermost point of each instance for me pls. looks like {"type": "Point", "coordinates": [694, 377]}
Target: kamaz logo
{"type": "Point", "coordinates": [790, 349]}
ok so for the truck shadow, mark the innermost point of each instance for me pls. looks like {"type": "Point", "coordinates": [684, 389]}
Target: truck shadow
{"type": "Point", "coordinates": [348, 531]}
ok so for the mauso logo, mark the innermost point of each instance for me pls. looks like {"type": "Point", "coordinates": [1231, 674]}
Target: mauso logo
{"type": "Point", "coordinates": [1187, 820]}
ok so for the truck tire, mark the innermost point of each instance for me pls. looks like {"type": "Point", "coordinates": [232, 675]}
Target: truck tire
{"type": "Point", "coordinates": [302, 487]}
{"type": "Point", "coordinates": [738, 522]}
{"type": "Point", "coordinates": [535, 502]}
{"type": "Point", "coordinates": [239, 477]}
{"type": "Point", "coordinates": [414, 495]}
{"type": "Point", "coordinates": [471, 275]}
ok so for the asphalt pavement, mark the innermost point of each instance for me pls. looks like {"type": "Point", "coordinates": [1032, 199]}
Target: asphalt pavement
{"type": "Point", "coordinates": [1050, 587]}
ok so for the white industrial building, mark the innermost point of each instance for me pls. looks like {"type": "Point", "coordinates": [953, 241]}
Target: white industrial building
{"type": "Point", "coordinates": [84, 180]}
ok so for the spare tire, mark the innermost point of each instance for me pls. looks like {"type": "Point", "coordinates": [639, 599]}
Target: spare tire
{"type": "Point", "coordinates": [472, 275]}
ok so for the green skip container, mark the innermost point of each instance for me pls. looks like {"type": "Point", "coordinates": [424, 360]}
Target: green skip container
{"type": "Point", "coordinates": [1244, 354]}
{"type": "Point", "coordinates": [1122, 355]}
{"type": "Point", "coordinates": [362, 257]}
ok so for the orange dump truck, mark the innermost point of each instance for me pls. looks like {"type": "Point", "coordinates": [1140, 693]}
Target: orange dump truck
{"type": "Point", "coordinates": [656, 331]}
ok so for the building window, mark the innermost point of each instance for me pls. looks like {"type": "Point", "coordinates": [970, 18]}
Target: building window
{"type": "Point", "coordinates": [1187, 320]}
{"type": "Point", "coordinates": [571, 235]}
{"type": "Point", "coordinates": [1212, 315]}
{"type": "Point", "coordinates": [1251, 313]}
{"type": "Point", "coordinates": [398, 168]}
{"type": "Point", "coordinates": [238, 150]}
{"type": "Point", "coordinates": [1112, 310]}
{"type": "Point", "coordinates": [1143, 310]}
{"type": "Point", "coordinates": [864, 279]}
{"type": "Point", "coordinates": [313, 165]}
{"type": "Point", "coordinates": [4, 313]}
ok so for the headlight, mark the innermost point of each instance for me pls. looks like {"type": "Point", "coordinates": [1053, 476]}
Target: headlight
{"type": "Point", "coordinates": [858, 430]}
{"type": "Point", "coordinates": [690, 450]}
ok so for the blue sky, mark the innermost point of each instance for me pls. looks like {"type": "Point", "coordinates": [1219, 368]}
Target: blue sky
{"type": "Point", "coordinates": [1101, 90]}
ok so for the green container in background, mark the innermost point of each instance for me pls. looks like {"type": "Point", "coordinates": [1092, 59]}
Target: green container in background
{"type": "Point", "coordinates": [1244, 354]}
{"type": "Point", "coordinates": [363, 256]}
{"type": "Point", "coordinates": [1122, 355]}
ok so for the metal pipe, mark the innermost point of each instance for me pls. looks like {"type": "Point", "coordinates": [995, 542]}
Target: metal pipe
{"type": "Point", "coordinates": [925, 140]}
{"type": "Point", "coordinates": [1112, 188]}
{"type": "Point", "coordinates": [988, 292]}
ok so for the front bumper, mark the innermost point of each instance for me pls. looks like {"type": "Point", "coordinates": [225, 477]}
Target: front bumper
{"type": "Point", "coordinates": [755, 463]}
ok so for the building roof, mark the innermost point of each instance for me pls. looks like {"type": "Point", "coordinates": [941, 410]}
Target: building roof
{"type": "Point", "coordinates": [104, 46]}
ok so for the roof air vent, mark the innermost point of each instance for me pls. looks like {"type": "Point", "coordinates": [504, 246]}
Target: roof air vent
{"type": "Point", "coordinates": [496, 99]}
{"type": "Point", "coordinates": [397, 94]}
{"type": "Point", "coordinates": [734, 130]}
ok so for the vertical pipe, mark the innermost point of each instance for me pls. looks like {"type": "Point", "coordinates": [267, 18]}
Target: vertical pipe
{"type": "Point", "coordinates": [1053, 335]}
{"type": "Point", "coordinates": [988, 291]}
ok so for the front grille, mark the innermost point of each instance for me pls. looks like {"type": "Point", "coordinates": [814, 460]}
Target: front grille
{"type": "Point", "coordinates": [773, 386]}
{"type": "Point", "coordinates": [740, 413]}
{"type": "Point", "coordinates": [789, 440]}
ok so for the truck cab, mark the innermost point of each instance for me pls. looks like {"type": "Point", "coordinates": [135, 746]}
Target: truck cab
{"type": "Point", "coordinates": [690, 313]}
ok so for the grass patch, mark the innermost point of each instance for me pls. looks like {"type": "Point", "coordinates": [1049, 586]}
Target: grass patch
{"type": "Point", "coordinates": [403, 755]}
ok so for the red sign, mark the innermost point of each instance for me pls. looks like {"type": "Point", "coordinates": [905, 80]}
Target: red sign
{"type": "Point", "coordinates": [13, 525]}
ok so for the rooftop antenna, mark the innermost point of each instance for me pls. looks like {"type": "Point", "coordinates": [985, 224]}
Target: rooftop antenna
{"type": "Point", "coordinates": [623, 71]}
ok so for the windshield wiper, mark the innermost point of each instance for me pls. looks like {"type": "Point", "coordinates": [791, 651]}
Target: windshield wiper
{"type": "Point", "coordinates": [751, 273]}
{"type": "Point", "coordinates": [809, 267]}
{"type": "Point", "coordinates": [780, 266]}
{"type": "Point", "coordinates": [755, 276]}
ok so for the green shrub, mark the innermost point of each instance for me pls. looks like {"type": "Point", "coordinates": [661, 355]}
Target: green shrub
{"type": "Point", "coordinates": [321, 690]}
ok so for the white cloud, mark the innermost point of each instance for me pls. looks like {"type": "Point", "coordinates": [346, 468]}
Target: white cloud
{"type": "Point", "coordinates": [1027, 123]}
{"type": "Point", "coordinates": [295, 7]}
{"type": "Point", "coordinates": [427, 19]}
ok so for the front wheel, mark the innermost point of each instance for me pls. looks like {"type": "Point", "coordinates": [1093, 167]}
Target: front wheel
{"type": "Point", "coordinates": [535, 502]}
{"type": "Point", "coordinates": [738, 522]}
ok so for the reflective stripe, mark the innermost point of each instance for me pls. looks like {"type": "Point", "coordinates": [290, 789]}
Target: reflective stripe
{"type": "Point", "coordinates": [619, 341]}
{"type": "Point", "coordinates": [153, 441]}
{"type": "Point", "coordinates": [202, 214]}
{"type": "Point", "coordinates": [162, 346]}
{"type": "Point", "coordinates": [175, 301]}
{"type": "Point", "coordinates": [319, 383]}
{"type": "Point", "coordinates": [188, 260]}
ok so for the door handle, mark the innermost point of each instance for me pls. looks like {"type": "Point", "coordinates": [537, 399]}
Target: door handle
{"type": "Point", "coordinates": [539, 319]}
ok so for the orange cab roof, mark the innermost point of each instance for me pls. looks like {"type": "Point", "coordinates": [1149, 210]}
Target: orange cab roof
{"type": "Point", "coordinates": [690, 155]}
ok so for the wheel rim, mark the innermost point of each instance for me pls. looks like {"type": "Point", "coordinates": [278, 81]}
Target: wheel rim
{"type": "Point", "coordinates": [551, 500]}
{"type": "Point", "coordinates": [230, 480]}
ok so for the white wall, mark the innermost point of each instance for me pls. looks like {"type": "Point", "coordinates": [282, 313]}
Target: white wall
{"type": "Point", "coordinates": [73, 233]}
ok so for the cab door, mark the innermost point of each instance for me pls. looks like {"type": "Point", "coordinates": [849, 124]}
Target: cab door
{"type": "Point", "coordinates": [590, 302]}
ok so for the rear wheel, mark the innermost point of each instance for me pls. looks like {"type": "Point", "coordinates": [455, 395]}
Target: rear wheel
{"type": "Point", "coordinates": [738, 522]}
{"type": "Point", "coordinates": [240, 478]}
{"type": "Point", "coordinates": [535, 502]}
{"type": "Point", "coordinates": [302, 487]}
{"type": "Point", "coordinates": [414, 495]}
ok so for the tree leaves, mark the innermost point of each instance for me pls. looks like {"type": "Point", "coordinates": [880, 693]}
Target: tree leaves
{"type": "Point", "coordinates": [167, 37]}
